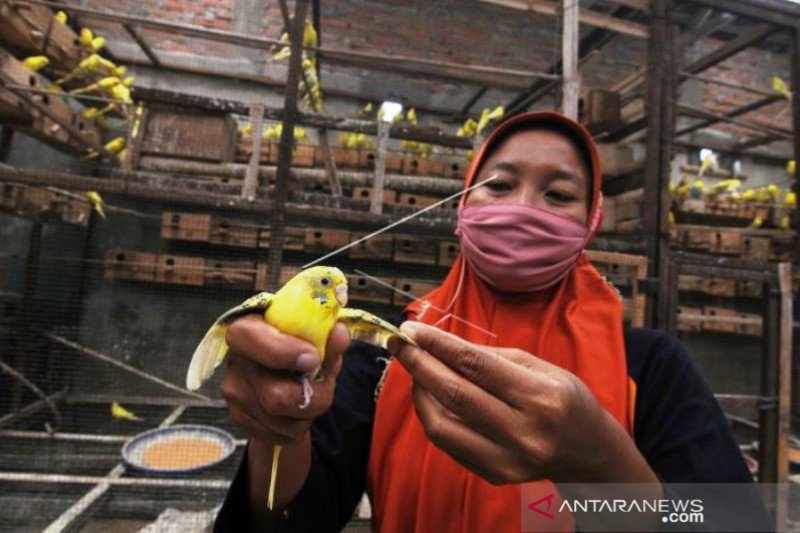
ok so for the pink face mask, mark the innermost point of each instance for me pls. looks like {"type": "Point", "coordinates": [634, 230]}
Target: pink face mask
{"type": "Point", "coordinates": [520, 247]}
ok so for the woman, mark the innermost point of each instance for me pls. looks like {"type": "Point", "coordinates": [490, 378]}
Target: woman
{"type": "Point", "coordinates": [523, 374]}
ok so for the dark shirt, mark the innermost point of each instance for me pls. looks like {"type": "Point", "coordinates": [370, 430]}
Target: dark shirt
{"type": "Point", "coordinates": [678, 427]}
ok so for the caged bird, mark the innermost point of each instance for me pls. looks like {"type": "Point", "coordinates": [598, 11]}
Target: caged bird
{"type": "Point", "coordinates": [307, 306]}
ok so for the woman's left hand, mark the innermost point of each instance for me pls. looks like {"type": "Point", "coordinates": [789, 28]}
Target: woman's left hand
{"type": "Point", "coordinates": [509, 416]}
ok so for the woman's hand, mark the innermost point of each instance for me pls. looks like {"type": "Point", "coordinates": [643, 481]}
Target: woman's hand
{"type": "Point", "coordinates": [511, 417]}
{"type": "Point", "coordinates": [263, 398]}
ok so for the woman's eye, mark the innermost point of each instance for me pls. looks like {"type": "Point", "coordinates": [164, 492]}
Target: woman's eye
{"type": "Point", "coordinates": [498, 186]}
{"type": "Point", "coordinates": [562, 198]}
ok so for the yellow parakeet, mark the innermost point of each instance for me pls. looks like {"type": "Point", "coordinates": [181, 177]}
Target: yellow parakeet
{"type": "Point", "coordinates": [97, 202]}
{"type": "Point", "coordinates": [791, 167]}
{"type": "Point", "coordinates": [113, 146]}
{"type": "Point", "coordinates": [749, 195]}
{"type": "Point", "coordinates": [61, 17]}
{"type": "Point", "coordinates": [411, 116]}
{"type": "Point", "coordinates": [790, 198]}
{"type": "Point", "coordinates": [36, 63]}
{"type": "Point", "coordinates": [98, 43]}
{"type": "Point", "coordinates": [86, 37]}
{"type": "Point", "coordinates": [784, 222]}
{"type": "Point", "coordinates": [780, 87]}
{"type": "Point", "coordinates": [307, 306]}
{"type": "Point", "coordinates": [757, 222]}
{"type": "Point", "coordinates": [119, 412]}
{"type": "Point", "coordinates": [773, 191]}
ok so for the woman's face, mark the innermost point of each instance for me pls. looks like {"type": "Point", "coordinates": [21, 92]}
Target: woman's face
{"type": "Point", "coordinates": [537, 167]}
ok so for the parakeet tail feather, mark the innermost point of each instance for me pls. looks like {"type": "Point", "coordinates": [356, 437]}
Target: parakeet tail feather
{"type": "Point", "coordinates": [276, 456]}
{"type": "Point", "coordinates": [207, 356]}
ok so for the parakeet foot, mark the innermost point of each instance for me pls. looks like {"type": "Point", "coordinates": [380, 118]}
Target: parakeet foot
{"type": "Point", "coordinates": [308, 392]}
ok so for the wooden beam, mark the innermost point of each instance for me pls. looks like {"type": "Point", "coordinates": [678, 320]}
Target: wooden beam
{"type": "Point", "coordinates": [136, 36]}
{"type": "Point", "coordinates": [570, 83]}
{"type": "Point", "coordinates": [588, 17]}
{"type": "Point", "coordinates": [285, 147]}
{"type": "Point", "coordinates": [398, 131]}
{"type": "Point", "coordinates": [641, 5]}
{"type": "Point", "coordinates": [485, 75]}
{"type": "Point", "coordinates": [782, 13]}
{"type": "Point", "coordinates": [784, 378]}
{"type": "Point", "coordinates": [731, 149]}
{"type": "Point", "coordinates": [733, 113]}
{"type": "Point", "coordinates": [796, 128]}
{"type": "Point", "coordinates": [721, 83]}
{"type": "Point", "coordinates": [730, 48]}
{"type": "Point", "coordinates": [376, 202]}
{"type": "Point", "coordinates": [755, 141]}
{"type": "Point", "coordinates": [699, 112]}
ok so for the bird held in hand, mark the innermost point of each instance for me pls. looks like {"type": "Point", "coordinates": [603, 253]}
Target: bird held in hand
{"type": "Point", "coordinates": [307, 306]}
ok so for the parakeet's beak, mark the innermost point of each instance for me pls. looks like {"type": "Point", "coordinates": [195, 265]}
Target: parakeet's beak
{"type": "Point", "coordinates": [341, 294]}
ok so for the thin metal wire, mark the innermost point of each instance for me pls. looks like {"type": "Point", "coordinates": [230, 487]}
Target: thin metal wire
{"type": "Point", "coordinates": [398, 222]}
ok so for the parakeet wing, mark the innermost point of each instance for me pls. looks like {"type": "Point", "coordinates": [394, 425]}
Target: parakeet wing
{"type": "Point", "coordinates": [212, 349]}
{"type": "Point", "coordinates": [369, 328]}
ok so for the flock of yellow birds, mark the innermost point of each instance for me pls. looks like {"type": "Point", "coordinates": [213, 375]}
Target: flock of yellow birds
{"type": "Point", "coordinates": [770, 194]}
{"type": "Point", "coordinates": [107, 79]}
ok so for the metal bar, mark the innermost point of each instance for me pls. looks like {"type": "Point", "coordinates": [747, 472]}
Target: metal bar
{"type": "Point", "coordinates": [473, 100]}
{"type": "Point", "coordinates": [102, 484]}
{"type": "Point", "coordinates": [376, 202]}
{"type": "Point", "coordinates": [36, 390]}
{"type": "Point", "coordinates": [35, 477]}
{"type": "Point", "coordinates": [136, 36]}
{"type": "Point", "coordinates": [316, 21]}
{"type": "Point", "coordinates": [77, 437]}
{"type": "Point", "coordinates": [28, 308]}
{"type": "Point", "coordinates": [79, 398]}
{"type": "Point", "coordinates": [570, 83]}
{"type": "Point", "coordinates": [119, 364]}
{"type": "Point", "coordinates": [730, 48]}
{"type": "Point", "coordinates": [398, 131]}
{"type": "Point", "coordinates": [290, 115]}
{"type": "Point", "coordinates": [251, 176]}
{"type": "Point", "coordinates": [35, 407]}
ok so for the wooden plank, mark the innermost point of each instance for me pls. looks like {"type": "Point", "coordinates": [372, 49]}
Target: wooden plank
{"type": "Point", "coordinates": [251, 177]}
{"type": "Point", "coordinates": [448, 251]}
{"type": "Point", "coordinates": [203, 137]}
{"type": "Point", "coordinates": [732, 47]}
{"type": "Point", "coordinates": [415, 250]}
{"type": "Point", "coordinates": [364, 289]}
{"type": "Point", "coordinates": [324, 240]}
{"type": "Point", "coordinates": [185, 226]}
{"type": "Point", "coordinates": [376, 202]}
{"type": "Point", "coordinates": [33, 30]}
{"type": "Point", "coordinates": [414, 287]}
{"type": "Point", "coordinates": [588, 17]}
{"type": "Point", "coordinates": [180, 270]}
{"type": "Point", "coordinates": [380, 247]}
{"type": "Point", "coordinates": [130, 265]}
{"type": "Point", "coordinates": [233, 232]}
{"type": "Point", "coordinates": [227, 273]}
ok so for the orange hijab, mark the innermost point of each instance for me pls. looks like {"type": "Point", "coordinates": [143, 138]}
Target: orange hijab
{"type": "Point", "coordinates": [576, 324]}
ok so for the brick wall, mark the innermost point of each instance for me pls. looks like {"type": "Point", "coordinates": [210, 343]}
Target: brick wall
{"type": "Point", "coordinates": [461, 31]}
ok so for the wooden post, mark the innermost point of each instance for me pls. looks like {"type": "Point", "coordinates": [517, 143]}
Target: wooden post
{"type": "Point", "coordinates": [376, 203]}
{"type": "Point", "coordinates": [277, 226]}
{"type": "Point", "coordinates": [569, 53]}
{"type": "Point", "coordinates": [330, 164]}
{"type": "Point", "coordinates": [251, 177]}
{"type": "Point", "coordinates": [796, 127]}
{"type": "Point", "coordinates": [784, 384]}
{"type": "Point", "coordinates": [657, 159]}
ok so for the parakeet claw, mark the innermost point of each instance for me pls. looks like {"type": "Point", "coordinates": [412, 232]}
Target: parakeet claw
{"type": "Point", "coordinates": [308, 392]}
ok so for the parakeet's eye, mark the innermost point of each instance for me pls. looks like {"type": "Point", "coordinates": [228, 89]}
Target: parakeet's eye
{"type": "Point", "coordinates": [325, 282]}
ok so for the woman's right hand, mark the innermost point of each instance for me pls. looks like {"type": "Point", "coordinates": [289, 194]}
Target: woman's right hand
{"type": "Point", "coordinates": [263, 397]}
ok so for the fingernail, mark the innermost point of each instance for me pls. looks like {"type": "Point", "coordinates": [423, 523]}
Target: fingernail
{"type": "Point", "coordinates": [307, 362]}
{"type": "Point", "coordinates": [409, 327]}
